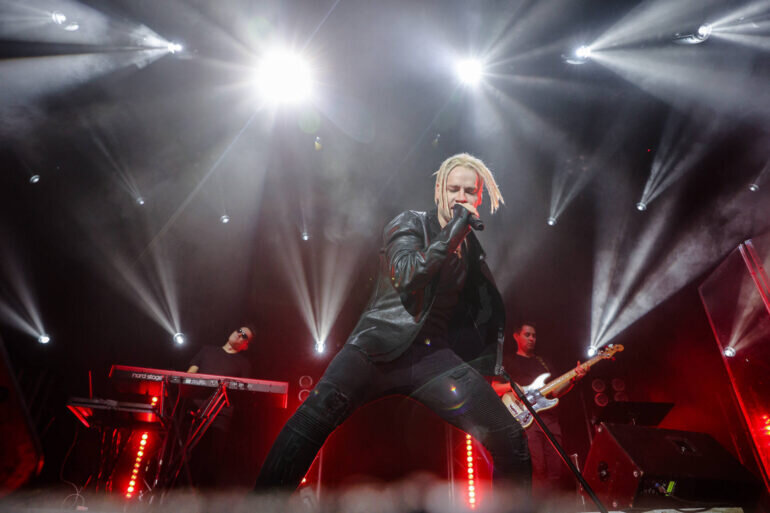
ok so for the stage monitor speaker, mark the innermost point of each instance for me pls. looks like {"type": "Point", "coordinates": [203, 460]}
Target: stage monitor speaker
{"type": "Point", "coordinates": [20, 448]}
{"type": "Point", "coordinates": [641, 467]}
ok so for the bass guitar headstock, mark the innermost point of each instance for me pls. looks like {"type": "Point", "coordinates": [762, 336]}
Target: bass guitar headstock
{"type": "Point", "coordinates": [609, 350]}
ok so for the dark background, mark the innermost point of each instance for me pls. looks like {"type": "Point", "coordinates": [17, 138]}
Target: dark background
{"type": "Point", "coordinates": [84, 112]}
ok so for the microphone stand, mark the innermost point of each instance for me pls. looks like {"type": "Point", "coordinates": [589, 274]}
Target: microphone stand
{"type": "Point", "coordinates": [557, 447]}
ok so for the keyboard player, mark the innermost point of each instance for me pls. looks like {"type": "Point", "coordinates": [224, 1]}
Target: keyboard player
{"type": "Point", "coordinates": [213, 460]}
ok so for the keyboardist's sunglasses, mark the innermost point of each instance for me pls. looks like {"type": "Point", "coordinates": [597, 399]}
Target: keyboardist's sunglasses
{"type": "Point", "coordinates": [243, 334]}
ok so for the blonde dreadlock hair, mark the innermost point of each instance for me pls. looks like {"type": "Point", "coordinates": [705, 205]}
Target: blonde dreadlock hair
{"type": "Point", "coordinates": [467, 160]}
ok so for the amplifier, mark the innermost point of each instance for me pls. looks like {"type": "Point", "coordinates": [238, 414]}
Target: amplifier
{"type": "Point", "coordinates": [633, 466]}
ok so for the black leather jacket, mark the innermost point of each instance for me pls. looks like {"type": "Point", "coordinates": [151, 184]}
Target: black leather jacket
{"type": "Point", "coordinates": [414, 249]}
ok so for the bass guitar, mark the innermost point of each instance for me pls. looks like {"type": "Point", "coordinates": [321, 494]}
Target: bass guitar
{"type": "Point", "coordinates": [537, 391]}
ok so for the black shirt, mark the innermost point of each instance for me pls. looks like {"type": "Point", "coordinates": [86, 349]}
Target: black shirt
{"type": "Point", "coordinates": [215, 360]}
{"type": "Point", "coordinates": [524, 371]}
{"type": "Point", "coordinates": [450, 283]}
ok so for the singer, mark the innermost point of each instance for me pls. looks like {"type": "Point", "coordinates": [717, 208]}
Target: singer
{"type": "Point", "coordinates": [432, 327]}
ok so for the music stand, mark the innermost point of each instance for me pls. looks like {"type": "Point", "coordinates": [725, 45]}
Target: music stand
{"type": "Point", "coordinates": [638, 413]}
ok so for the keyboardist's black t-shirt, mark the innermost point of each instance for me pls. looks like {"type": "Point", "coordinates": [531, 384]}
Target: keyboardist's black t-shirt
{"type": "Point", "coordinates": [215, 360]}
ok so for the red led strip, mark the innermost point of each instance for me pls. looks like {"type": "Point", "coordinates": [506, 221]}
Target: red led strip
{"type": "Point", "coordinates": [137, 463]}
{"type": "Point", "coordinates": [471, 472]}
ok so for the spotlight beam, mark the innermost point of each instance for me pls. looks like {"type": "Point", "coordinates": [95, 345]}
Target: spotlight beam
{"type": "Point", "coordinates": [746, 327]}
{"type": "Point", "coordinates": [688, 257]}
{"type": "Point", "coordinates": [735, 17]}
{"type": "Point", "coordinates": [648, 20]}
{"type": "Point", "coordinates": [16, 320]}
{"type": "Point", "coordinates": [760, 42]}
{"type": "Point", "coordinates": [125, 179]}
{"type": "Point", "coordinates": [27, 318]}
{"type": "Point", "coordinates": [27, 79]}
{"type": "Point", "coordinates": [565, 187]}
{"type": "Point", "coordinates": [294, 272]}
{"type": "Point", "coordinates": [680, 77]}
{"type": "Point", "coordinates": [684, 142]}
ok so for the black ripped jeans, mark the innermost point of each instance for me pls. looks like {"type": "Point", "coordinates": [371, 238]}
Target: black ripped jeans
{"type": "Point", "coordinates": [433, 375]}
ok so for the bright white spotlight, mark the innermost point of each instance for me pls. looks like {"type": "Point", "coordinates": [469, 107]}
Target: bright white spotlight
{"type": "Point", "coordinates": [579, 56]}
{"type": "Point", "coordinates": [72, 27]}
{"type": "Point", "coordinates": [702, 34]}
{"type": "Point", "coordinates": [34, 178]}
{"type": "Point", "coordinates": [58, 17]}
{"type": "Point", "coordinates": [729, 351]}
{"type": "Point", "coordinates": [552, 221]}
{"type": "Point", "coordinates": [224, 219]}
{"type": "Point", "coordinates": [583, 52]}
{"type": "Point", "coordinates": [641, 206]}
{"type": "Point", "coordinates": [174, 47]}
{"type": "Point", "coordinates": [704, 31]}
{"type": "Point", "coordinates": [320, 346]}
{"type": "Point", "coordinates": [753, 187]}
{"type": "Point", "coordinates": [140, 200]}
{"type": "Point", "coordinates": [305, 235]}
{"type": "Point", "coordinates": [44, 338]}
{"type": "Point", "coordinates": [470, 71]}
{"type": "Point", "coordinates": [591, 351]}
{"type": "Point", "coordinates": [284, 77]}
{"type": "Point", "coordinates": [179, 338]}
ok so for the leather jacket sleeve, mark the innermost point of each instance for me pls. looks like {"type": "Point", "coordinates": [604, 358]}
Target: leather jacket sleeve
{"type": "Point", "coordinates": [412, 265]}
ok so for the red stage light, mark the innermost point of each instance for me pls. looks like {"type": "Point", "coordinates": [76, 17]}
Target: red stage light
{"type": "Point", "coordinates": [469, 469]}
{"type": "Point", "coordinates": [137, 465]}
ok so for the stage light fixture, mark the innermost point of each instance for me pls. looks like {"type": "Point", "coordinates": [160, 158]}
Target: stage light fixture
{"type": "Point", "coordinates": [318, 144]}
{"type": "Point", "coordinates": [700, 35]}
{"type": "Point", "coordinates": [179, 338]}
{"type": "Point", "coordinates": [579, 56]}
{"type": "Point", "coordinates": [583, 52]}
{"type": "Point", "coordinates": [284, 77]}
{"type": "Point", "coordinates": [552, 221]}
{"type": "Point", "coordinates": [43, 338]}
{"type": "Point", "coordinates": [305, 235]}
{"type": "Point", "coordinates": [753, 187]}
{"type": "Point", "coordinates": [591, 351]}
{"type": "Point", "coordinates": [224, 219]}
{"type": "Point", "coordinates": [470, 71]}
{"type": "Point", "coordinates": [140, 200]}
{"type": "Point", "coordinates": [641, 206]}
{"type": "Point", "coordinates": [58, 17]}
{"type": "Point", "coordinates": [34, 179]}
{"type": "Point", "coordinates": [320, 346]}
{"type": "Point", "coordinates": [729, 351]}
{"type": "Point", "coordinates": [704, 31]}
{"type": "Point", "coordinates": [174, 47]}
{"type": "Point", "coordinates": [72, 27]}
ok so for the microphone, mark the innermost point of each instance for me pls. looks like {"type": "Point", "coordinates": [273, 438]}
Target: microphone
{"type": "Point", "coordinates": [476, 223]}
